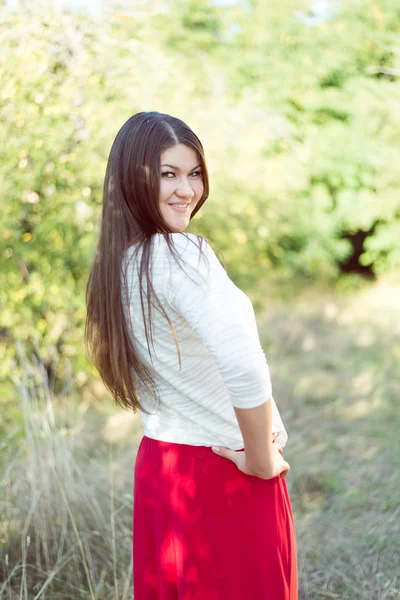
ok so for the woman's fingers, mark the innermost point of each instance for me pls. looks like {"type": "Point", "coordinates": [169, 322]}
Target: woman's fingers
{"type": "Point", "coordinates": [240, 460]}
{"type": "Point", "coordinates": [222, 451]}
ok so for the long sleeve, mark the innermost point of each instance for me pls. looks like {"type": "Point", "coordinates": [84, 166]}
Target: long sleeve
{"type": "Point", "coordinates": [223, 317]}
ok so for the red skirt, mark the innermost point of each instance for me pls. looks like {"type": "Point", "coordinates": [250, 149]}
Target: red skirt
{"type": "Point", "coordinates": [203, 530]}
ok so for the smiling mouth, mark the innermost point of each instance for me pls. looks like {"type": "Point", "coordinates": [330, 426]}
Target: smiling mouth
{"type": "Point", "coordinates": [180, 207]}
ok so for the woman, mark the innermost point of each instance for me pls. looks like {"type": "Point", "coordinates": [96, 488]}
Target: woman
{"type": "Point", "coordinates": [174, 338]}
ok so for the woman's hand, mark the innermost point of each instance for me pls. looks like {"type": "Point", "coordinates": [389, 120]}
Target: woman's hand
{"type": "Point", "coordinates": [280, 466]}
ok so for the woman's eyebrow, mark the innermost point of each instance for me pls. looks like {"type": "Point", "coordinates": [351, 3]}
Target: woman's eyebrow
{"type": "Point", "coordinates": [177, 168]}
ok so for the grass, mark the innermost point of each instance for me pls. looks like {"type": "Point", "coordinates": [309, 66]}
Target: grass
{"type": "Point", "coordinates": [67, 471]}
{"type": "Point", "coordinates": [334, 358]}
{"type": "Point", "coordinates": [66, 509]}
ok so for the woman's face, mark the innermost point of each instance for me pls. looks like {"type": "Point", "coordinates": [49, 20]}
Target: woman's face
{"type": "Point", "coordinates": [181, 185]}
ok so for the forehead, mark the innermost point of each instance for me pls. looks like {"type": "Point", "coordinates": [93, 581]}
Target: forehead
{"type": "Point", "coordinates": [180, 155]}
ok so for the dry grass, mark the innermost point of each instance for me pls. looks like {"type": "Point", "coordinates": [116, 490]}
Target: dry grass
{"type": "Point", "coordinates": [66, 505]}
{"type": "Point", "coordinates": [66, 495]}
{"type": "Point", "coordinates": [335, 360]}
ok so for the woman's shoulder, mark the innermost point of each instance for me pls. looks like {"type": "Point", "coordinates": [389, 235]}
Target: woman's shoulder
{"type": "Point", "coordinates": [178, 248]}
{"type": "Point", "coordinates": [192, 249]}
{"type": "Point", "coordinates": [181, 240]}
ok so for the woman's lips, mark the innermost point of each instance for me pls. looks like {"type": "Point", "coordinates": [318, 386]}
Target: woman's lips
{"type": "Point", "coordinates": [181, 209]}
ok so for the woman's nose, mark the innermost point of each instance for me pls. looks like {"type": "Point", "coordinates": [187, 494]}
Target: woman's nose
{"type": "Point", "coordinates": [184, 189]}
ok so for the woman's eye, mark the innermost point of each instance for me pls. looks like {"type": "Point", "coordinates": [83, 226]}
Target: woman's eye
{"type": "Point", "coordinates": [166, 173]}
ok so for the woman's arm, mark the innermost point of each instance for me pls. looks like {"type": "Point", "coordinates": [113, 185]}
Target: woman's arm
{"type": "Point", "coordinates": [223, 317]}
{"type": "Point", "coordinates": [256, 428]}
{"type": "Point", "coordinates": [217, 311]}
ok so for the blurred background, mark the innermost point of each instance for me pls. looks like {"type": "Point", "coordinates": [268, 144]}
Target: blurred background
{"type": "Point", "coordinates": [297, 103]}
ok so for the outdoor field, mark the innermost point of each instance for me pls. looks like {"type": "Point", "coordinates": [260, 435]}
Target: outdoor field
{"type": "Point", "coordinates": [297, 104]}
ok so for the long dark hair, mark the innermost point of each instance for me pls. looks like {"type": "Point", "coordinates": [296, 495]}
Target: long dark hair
{"type": "Point", "coordinates": [131, 216]}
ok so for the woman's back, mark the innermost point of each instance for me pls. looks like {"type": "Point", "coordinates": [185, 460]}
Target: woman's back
{"type": "Point", "coordinates": [221, 365]}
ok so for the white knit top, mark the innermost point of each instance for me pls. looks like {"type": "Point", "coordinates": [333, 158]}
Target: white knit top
{"type": "Point", "coordinates": [222, 362]}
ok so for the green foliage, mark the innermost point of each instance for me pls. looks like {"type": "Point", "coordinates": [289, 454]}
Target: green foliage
{"type": "Point", "coordinates": [300, 124]}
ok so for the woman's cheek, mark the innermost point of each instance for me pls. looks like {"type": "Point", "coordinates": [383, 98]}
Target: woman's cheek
{"type": "Point", "coordinates": [199, 190]}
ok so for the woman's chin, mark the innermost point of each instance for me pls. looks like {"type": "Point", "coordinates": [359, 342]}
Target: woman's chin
{"type": "Point", "coordinates": [178, 225]}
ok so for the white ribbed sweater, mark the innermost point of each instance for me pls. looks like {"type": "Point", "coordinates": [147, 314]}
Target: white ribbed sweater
{"type": "Point", "coordinates": [222, 362]}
